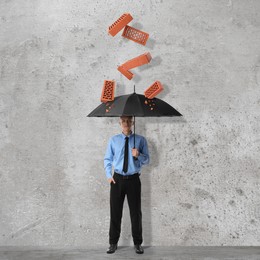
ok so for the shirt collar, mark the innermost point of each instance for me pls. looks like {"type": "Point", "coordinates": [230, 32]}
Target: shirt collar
{"type": "Point", "coordinates": [123, 135]}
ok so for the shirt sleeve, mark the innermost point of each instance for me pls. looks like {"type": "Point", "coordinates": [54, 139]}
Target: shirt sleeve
{"type": "Point", "coordinates": [108, 159]}
{"type": "Point", "coordinates": [144, 157]}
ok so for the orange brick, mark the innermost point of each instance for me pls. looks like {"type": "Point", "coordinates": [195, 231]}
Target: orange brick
{"type": "Point", "coordinates": [120, 23]}
{"type": "Point", "coordinates": [108, 91]}
{"type": "Point", "coordinates": [135, 35]}
{"type": "Point", "coordinates": [138, 61]}
{"type": "Point", "coordinates": [125, 72]}
{"type": "Point", "coordinates": [153, 90]}
{"type": "Point", "coordinates": [135, 62]}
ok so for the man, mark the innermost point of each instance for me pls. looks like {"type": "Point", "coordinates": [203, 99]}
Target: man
{"type": "Point", "coordinates": [127, 162]}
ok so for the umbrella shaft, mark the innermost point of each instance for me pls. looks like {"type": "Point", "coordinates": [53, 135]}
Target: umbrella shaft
{"type": "Point", "coordinates": [134, 132]}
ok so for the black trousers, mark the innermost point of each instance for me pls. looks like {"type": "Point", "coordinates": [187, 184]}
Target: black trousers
{"type": "Point", "coordinates": [132, 189]}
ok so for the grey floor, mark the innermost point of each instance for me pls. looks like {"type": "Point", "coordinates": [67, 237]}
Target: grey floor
{"type": "Point", "coordinates": [151, 253]}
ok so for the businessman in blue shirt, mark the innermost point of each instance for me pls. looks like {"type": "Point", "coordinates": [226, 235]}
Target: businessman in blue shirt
{"type": "Point", "coordinates": [127, 162]}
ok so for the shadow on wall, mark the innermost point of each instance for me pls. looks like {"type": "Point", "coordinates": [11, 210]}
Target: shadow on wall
{"type": "Point", "coordinates": [146, 193]}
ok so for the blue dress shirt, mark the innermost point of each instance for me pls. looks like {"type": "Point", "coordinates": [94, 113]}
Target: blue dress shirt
{"type": "Point", "coordinates": [115, 154]}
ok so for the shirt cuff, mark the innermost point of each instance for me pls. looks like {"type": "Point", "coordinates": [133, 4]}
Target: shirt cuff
{"type": "Point", "coordinates": [140, 156]}
{"type": "Point", "coordinates": [108, 175]}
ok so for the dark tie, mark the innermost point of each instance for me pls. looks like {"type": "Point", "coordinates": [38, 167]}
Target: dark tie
{"type": "Point", "coordinates": [125, 167]}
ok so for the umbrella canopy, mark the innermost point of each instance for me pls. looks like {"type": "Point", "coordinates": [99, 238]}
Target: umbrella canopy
{"type": "Point", "coordinates": [136, 105]}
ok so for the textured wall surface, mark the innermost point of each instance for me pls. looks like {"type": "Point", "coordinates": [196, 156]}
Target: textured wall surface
{"type": "Point", "coordinates": [202, 186]}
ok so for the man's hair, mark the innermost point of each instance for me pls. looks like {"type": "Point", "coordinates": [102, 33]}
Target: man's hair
{"type": "Point", "coordinates": [131, 117]}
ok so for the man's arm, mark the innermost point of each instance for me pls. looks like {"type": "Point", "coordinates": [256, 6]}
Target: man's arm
{"type": "Point", "coordinates": [143, 156]}
{"type": "Point", "coordinates": [108, 159]}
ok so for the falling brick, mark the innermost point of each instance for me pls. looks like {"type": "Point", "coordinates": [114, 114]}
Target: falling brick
{"type": "Point", "coordinates": [153, 90]}
{"type": "Point", "coordinates": [108, 91]}
{"type": "Point", "coordinates": [135, 35]}
{"type": "Point", "coordinates": [138, 61]}
{"type": "Point", "coordinates": [120, 23]}
{"type": "Point", "coordinates": [125, 72]}
{"type": "Point", "coordinates": [133, 63]}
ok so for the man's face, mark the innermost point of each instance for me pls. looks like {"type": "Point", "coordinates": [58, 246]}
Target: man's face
{"type": "Point", "coordinates": [126, 123]}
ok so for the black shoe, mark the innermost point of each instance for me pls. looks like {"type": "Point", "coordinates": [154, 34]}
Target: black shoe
{"type": "Point", "coordinates": [112, 248]}
{"type": "Point", "coordinates": [139, 249]}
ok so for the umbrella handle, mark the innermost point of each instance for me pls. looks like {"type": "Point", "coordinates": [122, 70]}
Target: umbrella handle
{"type": "Point", "coordinates": [134, 138]}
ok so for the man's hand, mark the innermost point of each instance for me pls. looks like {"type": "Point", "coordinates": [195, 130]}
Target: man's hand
{"type": "Point", "coordinates": [135, 152]}
{"type": "Point", "coordinates": [111, 180]}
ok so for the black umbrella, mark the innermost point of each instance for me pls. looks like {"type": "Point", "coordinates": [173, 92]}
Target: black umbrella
{"type": "Point", "coordinates": [134, 105]}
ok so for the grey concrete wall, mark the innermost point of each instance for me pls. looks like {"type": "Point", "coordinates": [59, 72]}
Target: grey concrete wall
{"type": "Point", "coordinates": [202, 186]}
